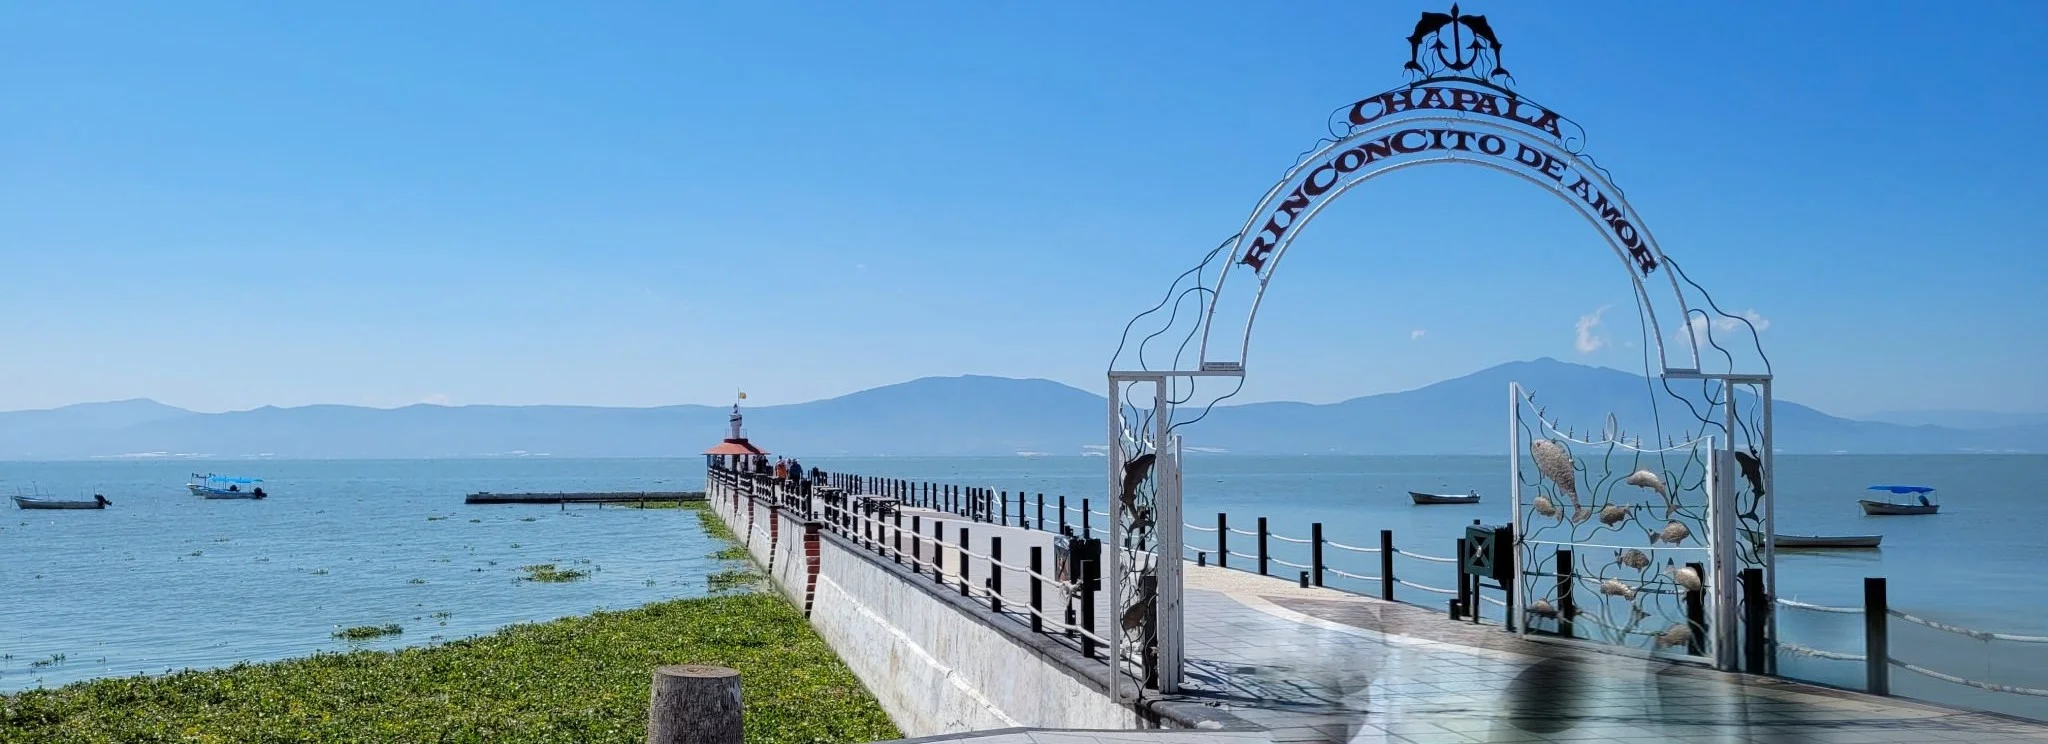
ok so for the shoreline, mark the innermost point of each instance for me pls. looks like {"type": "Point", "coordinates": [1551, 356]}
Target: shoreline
{"type": "Point", "coordinates": [581, 678]}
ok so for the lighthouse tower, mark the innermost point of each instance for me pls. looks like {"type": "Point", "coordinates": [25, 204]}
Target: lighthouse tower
{"type": "Point", "coordinates": [735, 452]}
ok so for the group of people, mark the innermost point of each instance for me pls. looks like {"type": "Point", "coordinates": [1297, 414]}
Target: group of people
{"type": "Point", "coordinates": [787, 468]}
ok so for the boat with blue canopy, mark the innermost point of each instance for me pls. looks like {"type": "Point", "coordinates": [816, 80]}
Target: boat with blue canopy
{"type": "Point", "coordinates": [1922, 502]}
{"type": "Point", "coordinates": [225, 487]}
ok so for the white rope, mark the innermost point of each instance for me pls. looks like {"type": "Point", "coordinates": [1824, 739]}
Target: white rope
{"type": "Point", "coordinates": [1982, 635]}
{"type": "Point", "coordinates": [1819, 654]}
{"type": "Point", "coordinates": [1284, 538]}
{"type": "Point", "coordinates": [1285, 563]}
{"type": "Point", "coordinates": [1327, 569]}
{"type": "Point", "coordinates": [1198, 529]}
{"type": "Point", "coordinates": [1992, 686]}
{"type": "Point", "coordinates": [1496, 602]}
{"type": "Point", "coordinates": [1820, 608]}
{"type": "Point", "coordinates": [1413, 585]}
{"type": "Point", "coordinates": [1237, 531]}
{"type": "Point", "coordinates": [1241, 555]}
{"type": "Point", "coordinates": [1342, 546]}
{"type": "Point", "coordinates": [1421, 557]}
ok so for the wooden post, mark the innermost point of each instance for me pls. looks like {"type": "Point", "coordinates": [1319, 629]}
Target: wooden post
{"type": "Point", "coordinates": [694, 705]}
{"type": "Point", "coordinates": [1263, 555]}
{"type": "Point", "coordinates": [1756, 610]}
{"type": "Point", "coordinates": [1696, 612]}
{"type": "Point", "coordinates": [1876, 637]}
{"type": "Point", "coordinates": [1315, 552]}
{"type": "Point", "coordinates": [1222, 540]}
{"type": "Point", "coordinates": [1566, 606]}
{"type": "Point", "coordinates": [1387, 565]}
{"type": "Point", "coordinates": [1037, 589]}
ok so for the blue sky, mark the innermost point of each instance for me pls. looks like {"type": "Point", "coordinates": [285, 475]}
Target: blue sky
{"type": "Point", "coordinates": [227, 205]}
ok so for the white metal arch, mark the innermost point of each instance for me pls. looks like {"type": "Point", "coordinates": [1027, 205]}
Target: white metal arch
{"type": "Point", "coordinates": [1401, 161]}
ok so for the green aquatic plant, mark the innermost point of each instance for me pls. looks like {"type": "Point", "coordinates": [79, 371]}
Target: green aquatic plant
{"type": "Point", "coordinates": [54, 660]}
{"type": "Point", "coordinates": [476, 521]}
{"type": "Point", "coordinates": [725, 581]}
{"type": "Point", "coordinates": [436, 518]}
{"type": "Point", "coordinates": [417, 581]}
{"type": "Point", "coordinates": [529, 519]}
{"type": "Point", "coordinates": [547, 573]}
{"type": "Point", "coordinates": [366, 632]}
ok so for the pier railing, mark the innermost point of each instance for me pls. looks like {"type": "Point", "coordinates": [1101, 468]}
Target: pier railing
{"type": "Point", "coordinates": [1877, 658]}
{"type": "Point", "coordinates": [1079, 518]}
{"type": "Point", "coordinates": [1033, 593]}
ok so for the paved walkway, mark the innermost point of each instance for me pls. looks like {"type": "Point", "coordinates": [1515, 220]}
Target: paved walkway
{"type": "Point", "coordinates": [1317, 665]}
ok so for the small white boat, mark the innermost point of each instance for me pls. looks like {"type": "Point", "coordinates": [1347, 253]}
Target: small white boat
{"type": "Point", "coordinates": [1922, 494]}
{"type": "Point", "coordinates": [27, 502]}
{"type": "Point", "coordinates": [225, 487]}
{"type": "Point", "coordinates": [1439, 498]}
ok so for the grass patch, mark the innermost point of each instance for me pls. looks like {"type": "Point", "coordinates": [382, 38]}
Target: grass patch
{"type": "Point", "coordinates": [581, 679]}
{"type": "Point", "coordinates": [366, 632]}
{"type": "Point", "coordinates": [712, 525]}
{"type": "Point", "coordinates": [546, 573]}
{"type": "Point", "coordinates": [648, 504]}
{"type": "Point", "coordinates": [725, 581]}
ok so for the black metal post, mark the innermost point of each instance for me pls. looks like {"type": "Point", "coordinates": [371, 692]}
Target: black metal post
{"type": "Point", "coordinates": [1464, 594]}
{"type": "Point", "coordinates": [1315, 552]}
{"type": "Point", "coordinates": [1263, 555]}
{"type": "Point", "coordinates": [1037, 587]}
{"type": "Point", "coordinates": [1876, 637]}
{"type": "Point", "coordinates": [1387, 565]}
{"type": "Point", "coordinates": [1696, 611]}
{"type": "Point", "coordinates": [1087, 516]}
{"type": "Point", "coordinates": [965, 562]}
{"type": "Point", "coordinates": [1756, 610]}
{"type": "Point", "coordinates": [916, 542]}
{"type": "Point", "coordinates": [995, 573]}
{"type": "Point", "coordinates": [1222, 540]}
{"type": "Point", "coordinates": [1063, 515]}
{"type": "Point", "coordinates": [1304, 579]}
{"type": "Point", "coordinates": [896, 537]}
{"type": "Point", "coordinates": [1041, 512]}
{"type": "Point", "coordinates": [1565, 603]}
{"type": "Point", "coordinates": [939, 551]}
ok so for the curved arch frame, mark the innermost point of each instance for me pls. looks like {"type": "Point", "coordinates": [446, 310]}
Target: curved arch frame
{"type": "Point", "coordinates": [1155, 647]}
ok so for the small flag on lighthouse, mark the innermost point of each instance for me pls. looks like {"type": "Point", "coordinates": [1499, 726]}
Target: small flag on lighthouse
{"type": "Point", "coordinates": [743, 395]}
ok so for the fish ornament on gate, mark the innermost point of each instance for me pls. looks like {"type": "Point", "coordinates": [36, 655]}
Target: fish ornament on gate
{"type": "Point", "coordinates": [1556, 464]}
{"type": "Point", "coordinates": [1674, 532]}
{"type": "Point", "coordinates": [1649, 480]}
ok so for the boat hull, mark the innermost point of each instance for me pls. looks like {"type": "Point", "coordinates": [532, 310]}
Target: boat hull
{"type": "Point", "coordinates": [28, 503]}
{"type": "Point", "coordinates": [213, 494]}
{"type": "Point", "coordinates": [1884, 509]}
{"type": "Point", "coordinates": [1431, 498]}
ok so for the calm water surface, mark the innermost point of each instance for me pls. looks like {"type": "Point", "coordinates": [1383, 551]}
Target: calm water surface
{"type": "Point", "coordinates": [1976, 564]}
{"type": "Point", "coordinates": [162, 580]}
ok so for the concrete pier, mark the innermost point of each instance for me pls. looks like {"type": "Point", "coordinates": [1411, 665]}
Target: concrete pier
{"type": "Point", "coordinates": [609, 497]}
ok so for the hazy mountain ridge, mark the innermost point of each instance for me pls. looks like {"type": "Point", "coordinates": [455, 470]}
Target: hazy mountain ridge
{"type": "Point", "coordinates": [955, 416]}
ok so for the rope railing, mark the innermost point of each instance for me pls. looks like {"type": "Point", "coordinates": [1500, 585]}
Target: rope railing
{"type": "Point", "coordinates": [1236, 531]}
{"type": "Point", "coordinates": [1797, 605]}
{"type": "Point", "coordinates": [1992, 686]}
{"type": "Point", "coordinates": [1818, 653]}
{"type": "Point", "coordinates": [1353, 548]}
{"type": "Point", "coordinates": [1197, 528]}
{"type": "Point", "coordinates": [1413, 585]}
{"type": "Point", "coordinates": [1284, 538]}
{"type": "Point", "coordinates": [1349, 575]}
{"type": "Point", "coordinates": [1292, 565]}
{"type": "Point", "coordinates": [1421, 557]}
{"type": "Point", "coordinates": [1982, 635]}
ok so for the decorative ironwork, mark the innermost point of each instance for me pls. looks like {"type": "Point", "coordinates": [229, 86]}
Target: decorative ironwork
{"type": "Point", "coordinates": [1472, 50]}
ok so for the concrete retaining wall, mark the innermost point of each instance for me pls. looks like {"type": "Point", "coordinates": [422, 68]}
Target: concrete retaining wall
{"type": "Point", "coordinates": [938, 663]}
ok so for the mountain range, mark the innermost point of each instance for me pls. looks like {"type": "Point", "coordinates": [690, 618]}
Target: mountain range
{"type": "Point", "coordinates": [965, 416]}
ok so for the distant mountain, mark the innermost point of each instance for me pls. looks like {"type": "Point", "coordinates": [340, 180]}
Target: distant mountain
{"type": "Point", "coordinates": [1960, 419]}
{"type": "Point", "coordinates": [956, 416]}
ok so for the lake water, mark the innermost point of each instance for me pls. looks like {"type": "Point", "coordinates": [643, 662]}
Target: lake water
{"type": "Point", "coordinates": [163, 580]}
{"type": "Point", "coordinates": [1977, 564]}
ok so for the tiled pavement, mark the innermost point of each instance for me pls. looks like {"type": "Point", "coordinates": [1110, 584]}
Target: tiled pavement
{"type": "Point", "coordinates": [1315, 665]}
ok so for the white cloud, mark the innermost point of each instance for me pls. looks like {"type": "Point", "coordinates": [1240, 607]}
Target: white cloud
{"type": "Point", "coordinates": [1725, 325]}
{"type": "Point", "coordinates": [1417, 334]}
{"type": "Point", "coordinates": [1588, 341]}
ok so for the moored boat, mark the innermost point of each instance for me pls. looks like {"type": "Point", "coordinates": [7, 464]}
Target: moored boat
{"type": "Point", "coordinates": [1921, 494]}
{"type": "Point", "coordinates": [1823, 541]}
{"type": "Point", "coordinates": [27, 502]}
{"type": "Point", "coordinates": [1439, 498]}
{"type": "Point", "coordinates": [213, 486]}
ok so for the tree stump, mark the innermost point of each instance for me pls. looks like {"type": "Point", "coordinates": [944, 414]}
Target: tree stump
{"type": "Point", "coordinates": [694, 705]}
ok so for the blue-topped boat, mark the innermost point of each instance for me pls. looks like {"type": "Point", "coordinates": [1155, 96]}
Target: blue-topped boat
{"type": "Point", "coordinates": [225, 487]}
{"type": "Point", "coordinates": [1921, 494]}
